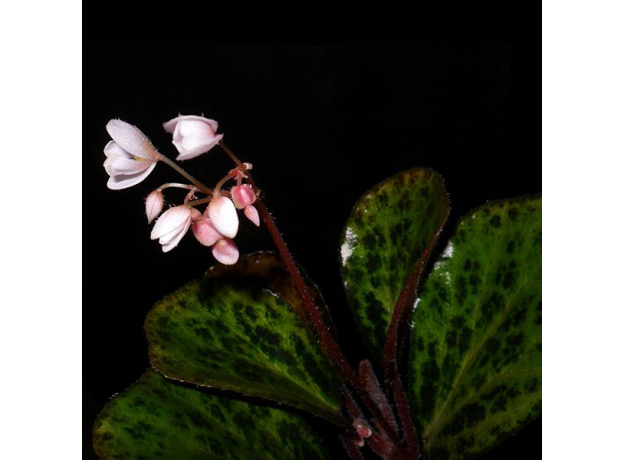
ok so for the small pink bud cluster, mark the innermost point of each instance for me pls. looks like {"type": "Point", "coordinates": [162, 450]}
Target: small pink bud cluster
{"type": "Point", "coordinates": [130, 159]}
{"type": "Point", "coordinates": [244, 197]}
{"type": "Point", "coordinates": [363, 431]}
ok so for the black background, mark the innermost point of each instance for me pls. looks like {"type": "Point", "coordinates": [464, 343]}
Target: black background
{"type": "Point", "coordinates": [321, 125]}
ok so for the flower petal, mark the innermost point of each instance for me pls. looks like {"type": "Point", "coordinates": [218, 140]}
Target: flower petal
{"type": "Point", "coordinates": [113, 149]}
{"type": "Point", "coordinates": [120, 165]}
{"type": "Point", "coordinates": [173, 242]}
{"type": "Point", "coordinates": [225, 251]}
{"type": "Point", "coordinates": [194, 146]}
{"type": "Point", "coordinates": [170, 221]}
{"type": "Point", "coordinates": [131, 139]}
{"type": "Point", "coordinates": [243, 196]}
{"type": "Point", "coordinates": [170, 126]}
{"type": "Point", "coordinates": [188, 127]}
{"type": "Point", "coordinates": [121, 181]}
{"type": "Point", "coordinates": [205, 232]}
{"type": "Point", "coordinates": [252, 214]}
{"type": "Point", "coordinates": [223, 215]}
{"type": "Point", "coordinates": [153, 205]}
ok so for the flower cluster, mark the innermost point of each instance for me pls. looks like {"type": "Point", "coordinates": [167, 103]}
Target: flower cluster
{"type": "Point", "coordinates": [131, 157]}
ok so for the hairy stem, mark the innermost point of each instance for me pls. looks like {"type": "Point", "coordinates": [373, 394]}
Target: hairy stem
{"type": "Point", "coordinates": [311, 310]}
{"type": "Point", "coordinates": [396, 337]}
{"type": "Point", "coordinates": [319, 326]}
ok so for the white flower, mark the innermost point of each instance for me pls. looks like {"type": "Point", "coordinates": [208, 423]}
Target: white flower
{"type": "Point", "coordinates": [193, 135]}
{"type": "Point", "coordinates": [223, 215]}
{"type": "Point", "coordinates": [172, 226]}
{"type": "Point", "coordinates": [131, 157]}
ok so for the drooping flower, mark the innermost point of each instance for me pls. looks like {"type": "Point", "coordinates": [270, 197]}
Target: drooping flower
{"type": "Point", "coordinates": [172, 226]}
{"type": "Point", "coordinates": [223, 215]}
{"type": "Point", "coordinates": [193, 135]}
{"type": "Point", "coordinates": [225, 251]}
{"type": "Point", "coordinates": [131, 157]}
{"type": "Point", "coordinates": [154, 204]}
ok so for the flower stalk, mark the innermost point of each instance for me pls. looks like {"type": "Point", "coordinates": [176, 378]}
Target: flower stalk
{"type": "Point", "coordinates": [319, 326]}
{"type": "Point", "coordinates": [130, 159]}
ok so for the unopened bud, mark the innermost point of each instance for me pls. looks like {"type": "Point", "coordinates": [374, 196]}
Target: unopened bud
{"type": "Point", "coordinates": [252, 214]}
{"type": "Point", "coordinates": [225, 251]}
{"type": "Point", "coordinates": [243, 196]}
{"type": "Point", "coordinates": [362, 428]}
{"type": "Point", "coordinates": [154, 205]}
{"type": "Point", "coordinates": [205, 232]}
{"type": "Point", "coordinates": [223, 215]}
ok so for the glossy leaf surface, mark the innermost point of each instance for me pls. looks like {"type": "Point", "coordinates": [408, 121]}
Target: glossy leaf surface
{"type": "Point", "coordinates": [475, 365]}
{"type": "Point", "coordinates": [234, 333]}
{"type": "Point", "coordinates": [266, 268]}
{"type": "Point", "coordinates": [157, 419]}
{"type": "Point", "coordinates": [383, 239]}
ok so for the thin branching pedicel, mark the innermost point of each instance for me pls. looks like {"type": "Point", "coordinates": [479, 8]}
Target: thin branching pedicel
{"type": "Point", "coordinates": [131, 157]}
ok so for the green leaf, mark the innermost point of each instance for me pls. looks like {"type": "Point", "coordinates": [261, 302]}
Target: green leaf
{"type": "Point", "coordinates": [156, 419]}
{"type": "Point", "coordinates": [232, 332]}
{"type": "Point", "coordinates": [383, 239]}
{"type": "Point", "coordinates": [476, 350]}
{"type": "Point", "coordinates": [267, 269]}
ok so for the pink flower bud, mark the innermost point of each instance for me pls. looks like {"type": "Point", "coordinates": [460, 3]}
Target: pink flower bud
{"type": "Point", "coordinates": [223, 215]}
{"type": "Point", "coordinates": [243, 196]}
{"type": "Point", "coordinates": [172, 226]}
{"type": "Point", "coordinates": [205, 232]}
{"type": "Point", "coordinates": [193, 135]}
{"type": "Point", "coordinates": [362, 428]}
{"type": "Point", "coordinates": [225, 251]}
{"type": "Point", "coordinates": [153, 205]}
{"type": "Point", "coordinates": [252, 214]}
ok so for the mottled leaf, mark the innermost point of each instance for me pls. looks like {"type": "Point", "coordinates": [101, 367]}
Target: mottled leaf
{"type": "Point", "coordinates": [267, 268]}
{"type": "Point", "coordinates": [383, 239]}
{"type": "Point", "coordinates": [475, 365]}
{"type": "Point", "coordinates": [234, 333]}
{"type": "Point", "coordinates": [157, 419]}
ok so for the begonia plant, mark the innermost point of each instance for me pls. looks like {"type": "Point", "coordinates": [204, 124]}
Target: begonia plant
{"type": "Point", "coordinates": [239, 356]}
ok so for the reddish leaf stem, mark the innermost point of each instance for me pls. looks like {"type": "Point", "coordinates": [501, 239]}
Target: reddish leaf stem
{"type": "Point", "coordinates": [396, 337]}
{"type": "Point", "coordinates": [352, 450]}
{"type": "Point", "coordinates": [319, 326]}
{"type": "Point", "coordinates": [370, 382]}
{"type": "Point", "coordinates": [311, 310]}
